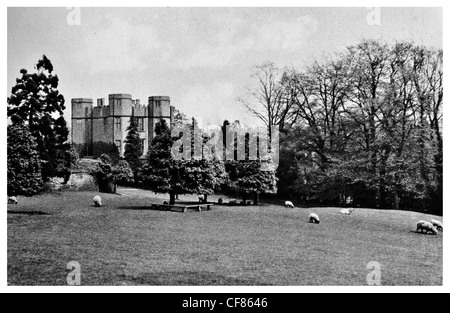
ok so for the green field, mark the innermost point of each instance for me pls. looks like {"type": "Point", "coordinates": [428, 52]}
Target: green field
{"type": "Point", "coordinates": [124, 243]}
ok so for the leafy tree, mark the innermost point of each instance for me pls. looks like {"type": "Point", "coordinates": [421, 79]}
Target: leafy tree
{"type": "Point", "coordinates": [36, 102]}
{"type": "Point", "coordinates": [73, 158]}
{"type": "Point", "coordinates": [24, 165]}
{"type": "Point", "coordinates": [109, 175]}
{"type": "Point", "coordinates": [163, 174]}
{"type": "Point", "coordinates": [369, 128]}
{"type": "Point", "coordinates": [133, 149]}
{"type": "Point", "coordinates": [253, 179]}
{"type": "Point", "coordinates": [122, 173]}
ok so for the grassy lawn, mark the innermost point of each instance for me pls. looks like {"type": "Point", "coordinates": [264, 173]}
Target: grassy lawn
{"type": "Point", "coordinates": [122, 243]}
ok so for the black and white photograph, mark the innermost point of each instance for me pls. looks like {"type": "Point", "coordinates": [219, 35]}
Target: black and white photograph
{"type": "Point", "coordinates": [224, 146]}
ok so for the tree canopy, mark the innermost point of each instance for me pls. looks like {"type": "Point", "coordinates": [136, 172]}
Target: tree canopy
{"type": "Point", "coordinates": [36, 102]}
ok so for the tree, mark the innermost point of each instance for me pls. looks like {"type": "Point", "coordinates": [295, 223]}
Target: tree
{"type": "Point", "coordinates": [161, 173]}
{"type": "Point", "coordinates": [100, 148]}
{"type": "Point", "coordinates": [24, 165]}
{"type": "Point", "coordinates": [270, 98]}
{"type": "Point", "coordinates": [247, 176]}
{"type": "Point", "coordinates": [109, 175]}
{"type": "Point", "coordinates": [35, 101]}
{"type": "Point", "coordinates": [369, 128]}
{"type": "Point", "coordinates": [133, 149]}
{"type": "Point", "coordinates": [188, 175]}
{"type": "Point", "coordinates": [252, 179]}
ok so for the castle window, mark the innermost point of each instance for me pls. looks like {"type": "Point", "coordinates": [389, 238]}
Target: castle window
{"type": "Point", "coordinates": [117, 122]}
{"type": "Point", "coordinates": [119, 145]}
{"type": "Point", "coordinates": [142, 145]}
{"type": "Point", "coordinates": [140, 124]}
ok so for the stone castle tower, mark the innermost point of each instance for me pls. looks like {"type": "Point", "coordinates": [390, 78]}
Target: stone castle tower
{"type": "Point", "coordinates": [96, 128]}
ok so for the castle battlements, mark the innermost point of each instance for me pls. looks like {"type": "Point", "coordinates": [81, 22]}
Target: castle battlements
{"type": "Point", "coordinates": [95, 128]}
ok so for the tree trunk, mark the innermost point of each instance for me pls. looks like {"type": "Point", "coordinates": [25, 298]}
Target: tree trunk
{"type": "Point", "coordinates": [108, 187]}
{"type": "Point", "coordinates": [396, 200]}
{"type": "Point", "coordinates": [256, 198]}
{"type": "Point", "coordinates": [172, 198]}
{"type": "Point", "coordinates": [205, 198]}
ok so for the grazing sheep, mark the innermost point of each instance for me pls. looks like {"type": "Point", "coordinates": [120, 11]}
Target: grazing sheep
{"type": "Point", "coordinates": [233, 202]}
{"type": "Point", "coordinates": [165, 203]}
{"type": "Point", "coordinates": [427, 227]}
{"type": "Point", "coordinates": [12, 200]}
{"type": "Point", "coordinates": [438, 225]}
{"type": "Point", "coordinates": [314, 218]}
{"type": "Point", "coordinates": [289, 204]}
{"type": "Point", "coordinates": [97, 201]}
{"type": "Point", "coordinates": [220, 201]}
{"type": "Point", "coordinates": [201, 198]}
{"type": "Point", "coordinates": [347, 211]}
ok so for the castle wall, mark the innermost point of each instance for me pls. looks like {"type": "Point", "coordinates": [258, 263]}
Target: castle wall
{"type": "Point", "coordinates": [140, 112]}
{"type": "Point", "coordinates": [159, 107]}
{"type": "Point", "coordinates": [101, 126]}
{"type": "Point", "coordinates": [81, 133]}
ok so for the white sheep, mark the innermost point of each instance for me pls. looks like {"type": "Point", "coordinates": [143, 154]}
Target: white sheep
{"type": "Point", "coordinates": [289, 204]}
{"type": "Point", "coordinates": [347, 211]}
{"type": "Point", "coordinates": [97, 201]}
{"type": "Point", "coordinates": [437, 224]}
{"type": "Point", "coordinates": [201, 198]}
{"type": "Point", "coordinates": [12, 200]}
{"type": "Point", "coordinates": [314, 218]}
{"type": "Point", "coordinates": [427, 227]}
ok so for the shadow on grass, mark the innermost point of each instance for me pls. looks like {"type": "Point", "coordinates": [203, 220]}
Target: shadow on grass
{"type": "Point", "coordinates": [191, 278]}
{"type": "Point", "coordinates": [138, 208]}
{"type": "Point", "coordinates": [422, 233]}
{"type": "Point", "coordinates": [30, 213]}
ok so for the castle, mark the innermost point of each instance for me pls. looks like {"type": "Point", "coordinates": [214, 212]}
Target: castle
{"type": "Point", "coordinates": [95, 129]}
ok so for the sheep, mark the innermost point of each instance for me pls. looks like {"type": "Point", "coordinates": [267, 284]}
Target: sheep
{"type": "Point", "coordinates": [165, 203]}
{"type": "Point", "coordinates": [289, 204]}
{"type": "Point", "coordinates": [233, 202]}
{"type": "Point", "coordinates": [438, 225]}
{"type": "Point", "coordinates": [97, 201]}
{"type": "Point", "coordinates": [249, 203]}
{"type": "Point", "coordinates": [12, 200]}
{"type": "Point", "coordinates": [201, 198]}
{"type": "Point", "coordinates": [220, 201]}
{"type": "Point", "coordinates": [314, 218]}
{"type": "Point", "coordinates": [427, 227]}
{"type": "Point", "coordinates": [346, 211]}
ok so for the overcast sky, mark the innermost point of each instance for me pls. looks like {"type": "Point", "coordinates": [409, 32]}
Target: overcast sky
{"type": "Point", "coordinates": [200, 57]}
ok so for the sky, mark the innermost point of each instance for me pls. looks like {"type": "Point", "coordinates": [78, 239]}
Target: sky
{"type": "Point", "coordinates": [201, 57]}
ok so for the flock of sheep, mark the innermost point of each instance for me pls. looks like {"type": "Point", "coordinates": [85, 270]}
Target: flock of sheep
{"type": "Point", "coordinates": [433, 227]}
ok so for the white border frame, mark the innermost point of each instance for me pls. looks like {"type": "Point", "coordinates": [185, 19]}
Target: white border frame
{"type": "Point", "coordinates": [207, 289]}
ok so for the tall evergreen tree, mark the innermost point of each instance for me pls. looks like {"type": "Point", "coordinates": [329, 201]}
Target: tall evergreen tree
{"type": "Point", "coordinates": [36, 102]}
{"type": "Point", "coordinates": [160, 173]}
{"type": "Point", "coordinates": [133, 149]}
